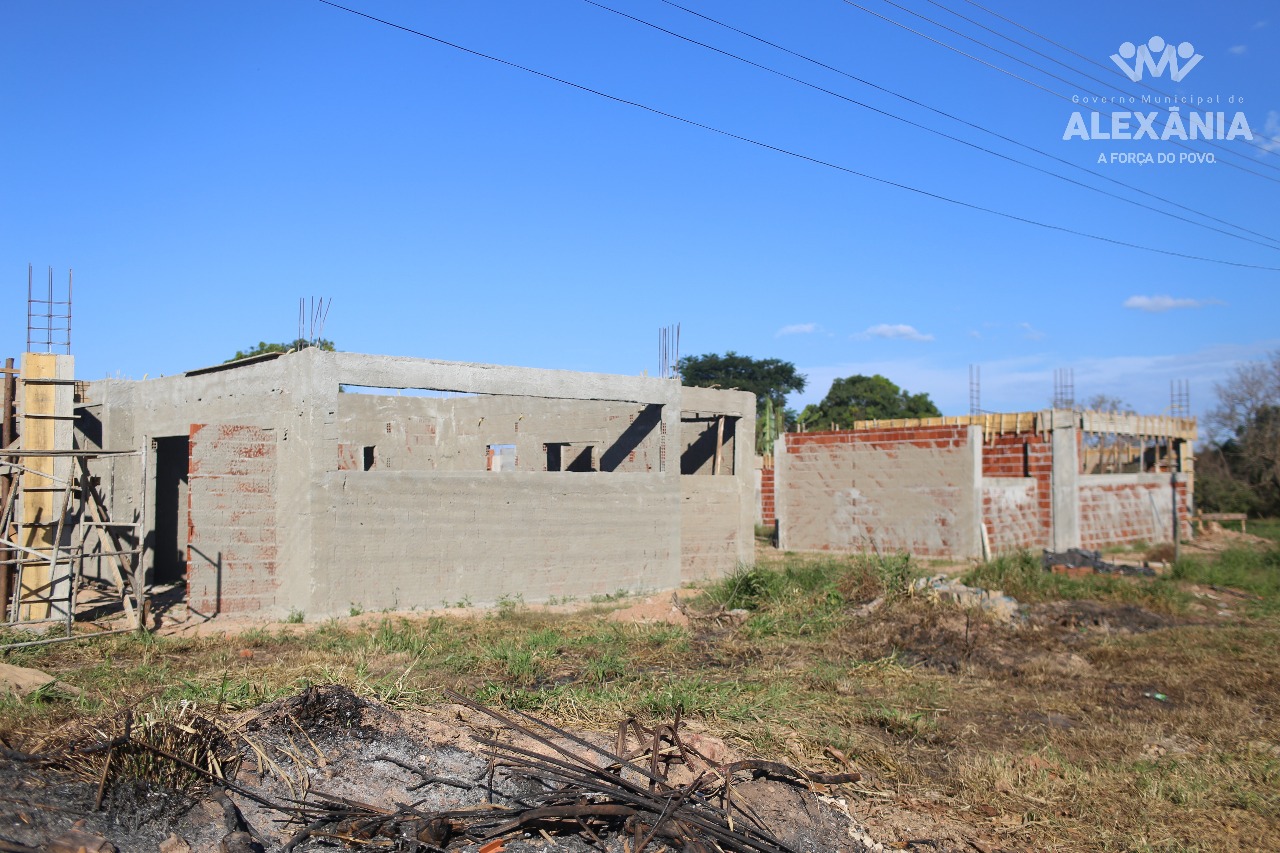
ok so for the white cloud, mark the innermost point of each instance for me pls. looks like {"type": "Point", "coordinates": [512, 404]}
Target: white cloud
{"type": "Point", "coordinates": [1160, 304]}
{"type": "Point", "coordinates": [1030, 332]}
{"type": "Point", "coordinates": [1259, 25]}
{"type": "Point", "coordinates": [797, 329]}
{"type": "Point", "coordinates": [1238, 49]}
{"type": "Point", "coordinates": [900, 331]}
{"type": "Point", "coordinates": [1025, 382]}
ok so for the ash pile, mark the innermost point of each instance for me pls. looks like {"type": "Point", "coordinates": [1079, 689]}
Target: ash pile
{"type": "Point", "coordinates": [326, 770]}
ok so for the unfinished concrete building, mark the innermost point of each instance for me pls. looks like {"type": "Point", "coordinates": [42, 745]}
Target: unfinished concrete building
{"type": "Point", "coordinates": [315, 481]}
{"type": "Point", "coordinates": [972, 486]}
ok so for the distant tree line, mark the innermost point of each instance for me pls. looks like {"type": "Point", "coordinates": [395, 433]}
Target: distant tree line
{"type": "Point", "coordinates": [853, 398]}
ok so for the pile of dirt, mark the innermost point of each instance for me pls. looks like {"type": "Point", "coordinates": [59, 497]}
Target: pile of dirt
{"type": "Point", "coordinates": [325, 769]}
{"type": "Point", "coordinates": [1212, 538]}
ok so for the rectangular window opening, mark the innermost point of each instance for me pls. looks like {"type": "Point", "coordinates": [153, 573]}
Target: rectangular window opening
{"type": "Point", "coordinates": [370, 457]}
{"type": "Point", "coordinates": [500, 457]}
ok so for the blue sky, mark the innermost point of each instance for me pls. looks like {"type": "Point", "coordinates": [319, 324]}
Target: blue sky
{"type": "Point", "coordinates": [201, 166]}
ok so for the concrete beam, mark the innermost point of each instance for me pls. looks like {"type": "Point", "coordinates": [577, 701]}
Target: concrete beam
{"type": "Point", "coordinates": [379, 371]}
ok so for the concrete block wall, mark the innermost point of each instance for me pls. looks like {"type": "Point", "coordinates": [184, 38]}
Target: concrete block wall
{"type": "Point", "coordinates": [454, 434]}
{"type": "Point", "coordinates": [282, 514]}
{"type": "Point", "coordinates": [422, 539]}
{"type": "Point", "coordinates": [913, 489]}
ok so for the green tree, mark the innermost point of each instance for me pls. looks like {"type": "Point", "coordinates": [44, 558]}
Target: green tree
{"type": "Point", "coordinates": [767, 378]}
{"type": "Point", "coordinates": [263, 348]}
{"type": "Point", "coordinates": [770, 379]}
{"type": "Point", "coordinates": [866, 398]}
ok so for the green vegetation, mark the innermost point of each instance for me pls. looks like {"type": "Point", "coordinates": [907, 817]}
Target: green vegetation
{"type": "Point", "coordinates": [1239, 469]}
{"type": "Point", "coordinates": [770, 379]}
{"type": "Point", "coordinates": [1042, 728]}
{"type": "Point", "coordinates": [263, 348]}
{"type": "Point", "coordinates": [1022, 576]}
{"type": "Point", "coordinates": [866, 398]}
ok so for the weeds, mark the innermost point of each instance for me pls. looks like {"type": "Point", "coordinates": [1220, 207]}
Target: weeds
{"type": "Point", "coordinates": [1075, 761]}
{"type": "Point", "coordinates": [1256, 572]}
{"type": "Point", "coordinates": [1022, 576]}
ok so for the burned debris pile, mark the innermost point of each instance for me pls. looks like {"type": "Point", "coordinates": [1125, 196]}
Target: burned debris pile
{"type": "Point", "coordinates": [326, 769]}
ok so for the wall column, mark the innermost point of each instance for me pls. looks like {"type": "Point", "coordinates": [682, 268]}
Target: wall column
{"type": "Point", "coordinates": [1066, 480]}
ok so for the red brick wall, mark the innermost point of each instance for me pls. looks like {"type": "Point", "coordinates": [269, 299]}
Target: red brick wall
{"type": "Point", "coordinates": [1119, 512]}
{"type": "Point", "coordinates": [941, 437]}
{"type": "Point", "coordinates": [1023, 454]}
{"type": "Point", "coordinates": [767, 514]}
{"type": "Point", "coordinates": [231, 519]}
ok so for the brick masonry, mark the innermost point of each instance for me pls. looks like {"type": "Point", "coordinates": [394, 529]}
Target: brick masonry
{"type": "Point", "coordinates": [768, 514]}
{"type": "Point", "coordinates": [906, 488]}
{"type": "Point", "coordinates": [231, 519]}
{"type": "Point", "coordinates": [1119, 508]}
{"type": "Point", "coordinates": [1016, 493]}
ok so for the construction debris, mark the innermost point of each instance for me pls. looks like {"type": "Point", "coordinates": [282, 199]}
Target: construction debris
{"type": "Point", "coordinates": [535, 786]}
{"type": "Point", "coordinates": [993, 601]}
{"type": "Point", "coordinates": [1075, 561]}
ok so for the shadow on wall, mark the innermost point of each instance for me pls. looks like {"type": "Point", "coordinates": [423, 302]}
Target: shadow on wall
{"type": "Point", "coordinates": [212, 605]}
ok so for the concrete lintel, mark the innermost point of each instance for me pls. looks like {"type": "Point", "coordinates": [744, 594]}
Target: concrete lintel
{"type": "Point", "coordinates": [377, 371]}
{"type": "Point", "coordinates": [739, 404]}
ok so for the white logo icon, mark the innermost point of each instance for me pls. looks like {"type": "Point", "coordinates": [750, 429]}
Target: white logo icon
{"type": "Point", "coordinates": [1143, 58]}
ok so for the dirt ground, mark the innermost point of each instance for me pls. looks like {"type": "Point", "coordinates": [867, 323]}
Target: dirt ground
{"type": "Point", "coordinates": [1105, 723]}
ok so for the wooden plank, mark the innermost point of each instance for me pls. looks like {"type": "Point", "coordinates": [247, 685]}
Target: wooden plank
{"type": "Point", "coordinates": [718, 463]}
{"type": "Point", "coordinates": [37, 504]}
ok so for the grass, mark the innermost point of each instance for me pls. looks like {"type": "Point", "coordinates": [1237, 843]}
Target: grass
{"type": "Point", "coordinates": [1256, 572]}
{"type": "Point", "coordinates": [1022, 576]}
{"type": "Point", "coordinates": [1039, 736]}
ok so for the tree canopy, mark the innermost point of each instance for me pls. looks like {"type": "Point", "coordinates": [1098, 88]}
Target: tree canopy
{"type": "Point", "coordinates": [767, 378]}
{"type": "Point", "coordinates": [866, 398]}
{"type": "Point", "coordinates": [1240, 470]}
{"type": "Point", "coordinates": [263, 348]}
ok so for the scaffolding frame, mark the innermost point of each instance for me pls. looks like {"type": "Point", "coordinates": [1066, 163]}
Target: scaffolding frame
{"type": "Point", "coordinates": [83, 533]}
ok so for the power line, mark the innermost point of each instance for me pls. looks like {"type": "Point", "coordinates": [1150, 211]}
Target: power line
{"type": "Point", "coordinates": [790, 153]}
{"type": "Point", "coordinates": [955, 118]}
{"type": "Point", "coordinates": [995, 67]}
{"type": "Point", "coordinates": [1112, 71]}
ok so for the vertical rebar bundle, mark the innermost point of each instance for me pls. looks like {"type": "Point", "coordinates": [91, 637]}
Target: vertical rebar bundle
{"type": "Point", "coordinates": [48, 319]}
{"type": "Point", "coordinates": [1064, 388]}
{"type": "Point", "coordinates": [669, 352]}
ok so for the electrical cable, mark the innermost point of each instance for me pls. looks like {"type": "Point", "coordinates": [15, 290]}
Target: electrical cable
{"type": "Point", "coordinates": [795, 154]}
{"type": "Point", "coordinates": [1032, 83]}
{"type": "Point", "coordinates": [955, 118]}
{"type": "Point", "coordinates": [1113, 71]}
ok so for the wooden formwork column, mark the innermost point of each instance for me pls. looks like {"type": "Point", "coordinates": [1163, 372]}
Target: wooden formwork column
{"type": "Point", "coordinates": [8, 432]}
{"type": "Point", "coordinates": [46, 425]}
